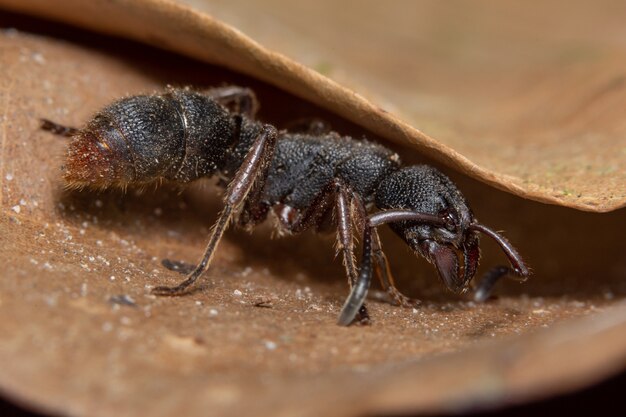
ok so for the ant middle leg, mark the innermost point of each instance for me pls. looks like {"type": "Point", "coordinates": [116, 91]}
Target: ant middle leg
{"type": "Point", "coordinates": [334, 194]}
{"type": "Point", "coordinates": [253, 169]}
{"type": "Point", "coordinates": [349, 210]}
{"type": "Point", "coordinates": [355, 301]}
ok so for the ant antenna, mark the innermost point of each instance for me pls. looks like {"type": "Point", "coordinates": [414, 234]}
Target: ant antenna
{"type": "Point", "coordinates": [514, 257]}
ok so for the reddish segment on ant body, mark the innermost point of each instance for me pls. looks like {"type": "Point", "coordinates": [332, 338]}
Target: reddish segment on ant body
{"type": "Point", "coordinates": [303, 178]}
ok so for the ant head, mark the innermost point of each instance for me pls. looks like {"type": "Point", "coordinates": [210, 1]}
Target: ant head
{"type": "Point", "coordinates": [451, 245]}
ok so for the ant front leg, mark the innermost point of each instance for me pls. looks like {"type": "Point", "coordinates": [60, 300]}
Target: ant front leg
{"type": "Point", "coordinates": [487, 283]}
{"type": "Point", "coordinates": [383, 271]}
{"type": "Point", "coordinates": [253, 169]}
{"type": "Point", "coordinates": [236, 99]}
{"type": "Point", "coordinates": [359, 291]}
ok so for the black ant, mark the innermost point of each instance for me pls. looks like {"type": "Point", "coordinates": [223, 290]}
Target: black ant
{"type": "Point", "coordinates": [304, 178]}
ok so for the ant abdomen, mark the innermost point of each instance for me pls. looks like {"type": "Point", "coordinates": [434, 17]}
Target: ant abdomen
{"type": "Point", "coordinates": [180, 135]}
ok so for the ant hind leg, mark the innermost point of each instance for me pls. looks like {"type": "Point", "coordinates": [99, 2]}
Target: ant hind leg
{"type": "Point", "coordinates": [253, 169]}
{"type": "Point", "coordinates": [485, 287]}
{"type": "Point", "coordinates": [238, 100]}
{"type": "Point", "coordinates": [309, 125]}
{"type": "Point", "coordinates": [58, 129]}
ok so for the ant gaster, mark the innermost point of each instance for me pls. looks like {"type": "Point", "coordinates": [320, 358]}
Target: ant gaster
{"type": "Point", "coordinates": [303, 178]}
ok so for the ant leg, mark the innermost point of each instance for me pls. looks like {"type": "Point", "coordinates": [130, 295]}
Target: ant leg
{"type": "Point", "coordinates": [309, 125]}
{"type": "Point", "coordinates": [383, 271]}
{"type": "Point", "coordinates": [349, 210]}
{"type": "Point", "coordinates": [345, 233]}
{"type": "Point", "coordinates": [355, 300]}
{"type": "Point", "coordinates": [359, 291]}
{"type": "Point", "coordinates": [487, 283]}
{"type": "Point", "coordinates": [178, 266]}
{"type": "Point", "coordinates": [336, 192]}
{"type": "Point", "coordinates": [344, 200]}
{"type": "Point", "coordinates": [58, 129]}
{"type": "Point", "coordinates": [236, 99]}
{"type": "Point", "coordinates": [253, 169]}
{"type": "Point", "coordinates": [311, 215]}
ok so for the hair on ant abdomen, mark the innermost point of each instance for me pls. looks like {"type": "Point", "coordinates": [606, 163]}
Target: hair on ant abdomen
{"type": "Point", "coordinates": [302, 178]}
{"type": "Point", "coordinates": [180, 136]}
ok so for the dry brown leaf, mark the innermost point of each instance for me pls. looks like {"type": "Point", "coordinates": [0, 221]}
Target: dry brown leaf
{"type": "Point", "coordinates": [82, 336]}
{"type": "Point", "coordinates": [526, 98]}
